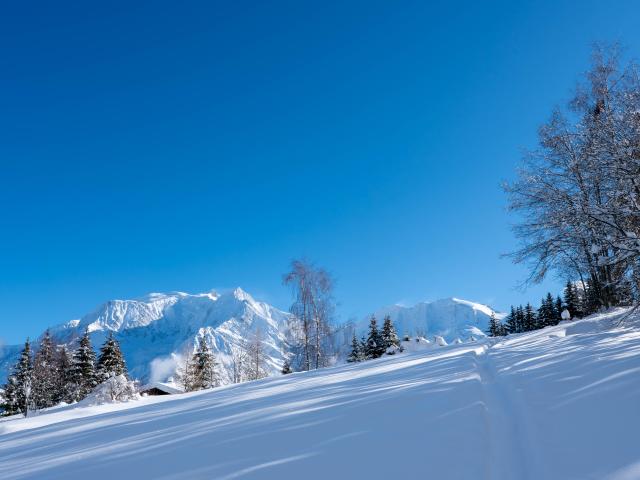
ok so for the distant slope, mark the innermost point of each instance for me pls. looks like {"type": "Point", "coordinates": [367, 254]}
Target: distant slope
{"type": "Point", "coordinates": [557, 403]}
{"type": "Point", "coordinates": [450, 318]}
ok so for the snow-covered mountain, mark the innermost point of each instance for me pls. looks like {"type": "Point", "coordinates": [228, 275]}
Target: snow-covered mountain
{"type": "Point", "coordinates": [450, 318]}
{"type": "Point", "coordinates": [157, 330]}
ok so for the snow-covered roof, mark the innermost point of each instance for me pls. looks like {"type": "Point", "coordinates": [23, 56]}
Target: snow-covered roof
{"type": "Point", "coordinates": [172, 389]}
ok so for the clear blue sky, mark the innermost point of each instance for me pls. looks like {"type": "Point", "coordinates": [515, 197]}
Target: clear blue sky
{"type": "Point", "coordinates": [198, 145]}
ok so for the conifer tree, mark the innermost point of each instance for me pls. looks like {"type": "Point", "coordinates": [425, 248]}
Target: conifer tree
{"type": "Point", "coordinates": [65, 385]}
{"type": "Point", "coordinates": [45, 374]}
{"type": "Point", "coordinates": [375, 345]}
{"type": "Point", "coordinates": [559, 307]}
{"type": "Point", "coordinates": [571, 299]}
{"type": "Point", "coordinates": [530, 321]}
{"type": "Point", "coordinates": [18, 389]}
{"type": "Point", "coordinates": [356, 354]}
{"type": "Point", "coordinates": [205, 367]}
{"type": "Point", "coordinates": [84, 361]}
{"type": "Point", "coordinates": [111, 362]}
{"type": "Point", "coordinates": [9, 400]}
{"type": "Point", "coordinates": [496, 329]}
{"type": "Point", "coordinates": [520, 319]}
{"type": "Point", "coordinates": [511, 323]}
{"type": "Point", "coordinates": [389, 335]}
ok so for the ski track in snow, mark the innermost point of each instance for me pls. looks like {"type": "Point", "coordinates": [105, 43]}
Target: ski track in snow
{"type": "Point", "coordinates": [559, 403]}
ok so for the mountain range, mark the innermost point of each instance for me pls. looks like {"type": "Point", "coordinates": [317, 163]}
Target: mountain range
{"type": "Point", "coordinates": [159, 329]}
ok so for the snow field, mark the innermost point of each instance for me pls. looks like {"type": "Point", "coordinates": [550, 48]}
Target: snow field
{"type": "Point", "coordinates": [557, 403]}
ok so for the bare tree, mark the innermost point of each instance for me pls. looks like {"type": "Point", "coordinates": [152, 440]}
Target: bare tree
{"type": "Point", "coordinates": [578, 195]}
{"type": "Point", "coordinates": [255, 363]}
{"type": "Point", "coordinates": [312, 309]}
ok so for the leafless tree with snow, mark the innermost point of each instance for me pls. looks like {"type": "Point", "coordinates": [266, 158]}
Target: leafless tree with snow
{"type": "Point", "coordinates": [578, 194]}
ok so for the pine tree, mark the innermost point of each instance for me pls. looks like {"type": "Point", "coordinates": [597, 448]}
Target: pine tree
{"type": "Point", "coordinates": [111, 362]}
{"type": "Point", "coordinates": [84, 361]}
{"type": "Point", "coordinates": [18, 389]}
{"type": "Point", "coordinates": [45, 374]}
{"type": "Point", "coordinates": [520, 319]}
{"type": "Point", "coordinates": [9, 404]}
{"type": "Point", "coordinates": [559, 307]}
{"type": "Point", "coordinates": [495, 328]}
{"type": "Point", "coordinates": [592, 302]}
{"type": "Point", "coordinates": [204, 365]}
{"type": "Point", "coordinates": [511, 323]}
{"type": "Point", "coordinates": [65, 386]}
{"type": "Point", "coordinates": [286, 368]}
{"type": "Point", "coordinates": [356, 354]}
{"type": "Point", "coordinates": [389, 335]}
{"type": "Point", "coordinates": [571, 299]}
{"type": "Point", "coordinates": [375, 345]}
{"type": "Point", "coordinates": [530, 321]}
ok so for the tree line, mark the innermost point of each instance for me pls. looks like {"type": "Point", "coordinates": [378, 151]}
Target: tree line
{"type": "Point", "coordinates": [377, 343]}
{"type": "Point", "coordinates": [578, 194]}
{"type": "Point", "coordinates": [574, 304]}
{"type": "Point", "coordinates": [54, 375]}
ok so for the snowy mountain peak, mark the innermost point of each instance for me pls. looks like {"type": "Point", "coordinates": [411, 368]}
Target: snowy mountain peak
{"type": "Point", "coordinates": [449, 318]}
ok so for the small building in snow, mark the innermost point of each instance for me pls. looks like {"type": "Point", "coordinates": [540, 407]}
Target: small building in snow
{"type": "Point", "coordinates": [159, 388]}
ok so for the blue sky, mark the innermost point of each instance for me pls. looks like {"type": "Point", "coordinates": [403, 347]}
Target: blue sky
{"type": "Point", "coordinates": [198, 145]}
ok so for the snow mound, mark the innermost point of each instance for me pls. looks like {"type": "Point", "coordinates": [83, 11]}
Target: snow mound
{"type": "Point", "coordinates": [115, 389]}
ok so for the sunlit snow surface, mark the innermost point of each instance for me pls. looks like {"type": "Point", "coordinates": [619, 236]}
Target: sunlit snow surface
{"type": "Point", "coordinates": [559, 403]}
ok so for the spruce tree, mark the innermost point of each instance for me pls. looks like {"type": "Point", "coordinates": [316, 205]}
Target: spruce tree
{"type": "Point", "coordinates": [356, 354]}
{"type": "Point", "coordinates": [84, 361]}
{"type": "Point", "coordinates": [511, 323]}
{"type": "Point", "coordinates": [65, 385]}
{"type": "Point", "coordinates": [374, 346]}
{"type": "Point", "coordinates": [495, 328]}
{"type": "Point", "coordinates": [559, 308]}
{"type": "Point", "coordinates": [389, 335]}
{"type": "Point", "coordinates": [45, 374]}
{"type": "Point", "coordinates": [530, 322]}
{"type": "Point", "coordinates": [571, 299]}
{"type": "Point", "coordinates": [111, 362]}
{"type": "Point", "coordinates": [18, 389]}
{"type": "Point", "coordinates": [204, 373]}
{"type": "Point", "coordinates": [9, 404]}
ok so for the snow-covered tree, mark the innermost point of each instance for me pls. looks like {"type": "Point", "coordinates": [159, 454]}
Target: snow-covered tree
{"type": "Point", "coordinates": [45, 374]}
{"type": "Point", "coordinates": [389, 335]}
{"type": "Point", "coordinates": [312, 309]}
{"type": "Point", "coordinates": [200, 371]}
{"type": "Point", "coordinates": [578, 194]}
{"type": "Point", "coordinates": [111, 361]}
{"type": "Point", "coordinates": [571, 299]}
{"type": "Point", "coordinates": [17, 396]}
{"type": "Point", "coordinates": [496, 329]}
{"type": "Point", "coordinates": [84, 368]}
{"type": "Point", "coordinates": [65, 381]}
{"type": "Point", "coordinates": [356, 354]}
{"type": "Point", "coordinates": [255, 366]}
{"type": "Point", "coordinates": [375, 344]}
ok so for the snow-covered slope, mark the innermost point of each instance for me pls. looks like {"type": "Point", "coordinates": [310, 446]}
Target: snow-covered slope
{"type": "Point", "coordinates": [559, 403]}
{"type": "Point", "coordinates": [449, 318]}
{"type": "Point", "coordinates": [157, 330]}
